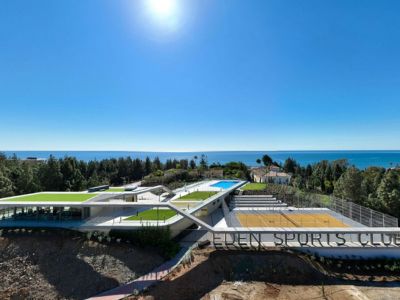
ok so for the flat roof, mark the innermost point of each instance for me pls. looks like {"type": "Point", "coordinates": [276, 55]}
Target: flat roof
{"type": "Point", "coordinates": [100, 199]}
{"type": "Point", "coordinates": [52, 197]}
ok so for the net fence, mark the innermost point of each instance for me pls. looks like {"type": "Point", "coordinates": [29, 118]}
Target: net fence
{"type": "Point", "coordinates": [361, 214]}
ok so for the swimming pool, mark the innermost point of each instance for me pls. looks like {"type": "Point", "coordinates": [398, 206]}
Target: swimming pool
{"type": "Point", "coordinates": [224, 184]}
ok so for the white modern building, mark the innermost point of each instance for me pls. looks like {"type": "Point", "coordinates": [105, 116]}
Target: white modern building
{"type": "Point", "coordinates": [116, 209]}
{"type": "Point", "coordinates": [219, 213]}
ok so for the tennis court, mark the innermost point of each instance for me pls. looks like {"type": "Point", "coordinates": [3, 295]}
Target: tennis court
{"type": "Point", "coordinates": [282, 219]}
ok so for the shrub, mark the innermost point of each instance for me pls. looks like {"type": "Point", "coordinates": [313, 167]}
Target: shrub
{"type": "Point", "coordinates": [157, 237]}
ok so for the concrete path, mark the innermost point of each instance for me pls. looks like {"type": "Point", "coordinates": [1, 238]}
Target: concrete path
{"type": "Point", "coordinates": [144, 281]}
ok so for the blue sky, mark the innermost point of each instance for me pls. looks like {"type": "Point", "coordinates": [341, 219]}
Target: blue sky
{"type": "Point", "coordinates": [205, 75]}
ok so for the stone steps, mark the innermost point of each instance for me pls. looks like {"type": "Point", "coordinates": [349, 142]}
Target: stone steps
{"type": "Point", "coordinates": [255, 201]}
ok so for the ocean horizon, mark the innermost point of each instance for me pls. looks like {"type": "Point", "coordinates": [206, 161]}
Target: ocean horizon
{"type": "Point", "coordinates": [359, 158]}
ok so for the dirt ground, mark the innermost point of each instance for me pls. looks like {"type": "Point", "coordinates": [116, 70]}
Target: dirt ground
{"type": "Point", "coordinates": [235, 275]}
{"type": "Point", "coordinates": [48, 265]}
{"type": "Point", "coordinates": [52, 266]}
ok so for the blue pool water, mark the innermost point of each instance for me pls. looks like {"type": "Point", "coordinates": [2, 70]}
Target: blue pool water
{"type": "Point", "coordinates": [224, 184]}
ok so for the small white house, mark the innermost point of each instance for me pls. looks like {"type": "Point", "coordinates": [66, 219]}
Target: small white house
{"type": "Point", "coordinates": [278, 177]}
{"type": "Point", "coordinates": [273, 174]}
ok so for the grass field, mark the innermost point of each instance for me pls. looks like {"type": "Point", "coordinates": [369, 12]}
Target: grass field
{"type": "Point", "coordinates": [197, 196]}
{"type": "Point", "coordinates": [254, 187]}
{"type": "Point", "coordinates": [289, 220]}
{"type": "Point", "coordinates": [115, 189]}
{"type": "Point", "coordinates": [54, 198]}
{"type": "Point", "coordinates": [153, 215]}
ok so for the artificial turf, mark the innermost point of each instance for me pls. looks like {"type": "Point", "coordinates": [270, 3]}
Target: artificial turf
{"type": "Point", "coordinates": [153, 215]}
{"type": "Point", "coordinates": [114, 190]}
{"type": "Point", "coordinates": [198, 196]}
{"type": "Point", "coordinates": [254, 187]}
{"type": "Point", "coordinates": [53, 197]}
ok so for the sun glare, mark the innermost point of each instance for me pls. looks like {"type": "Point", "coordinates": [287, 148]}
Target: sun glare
{"type": "Point", "coordinates": [164, 12]}
{"type": "Point", "coordinates": [163, 8]}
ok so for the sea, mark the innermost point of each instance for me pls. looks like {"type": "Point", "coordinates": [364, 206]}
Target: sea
{"type": "Point", "coordinates": [360, 159]}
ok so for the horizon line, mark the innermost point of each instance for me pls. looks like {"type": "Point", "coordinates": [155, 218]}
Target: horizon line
{"type": "Point", "coordinates": [199, 151]}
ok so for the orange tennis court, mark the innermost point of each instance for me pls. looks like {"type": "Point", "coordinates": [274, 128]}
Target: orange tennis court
{"type": "Point", "coordinates": [282, 219]}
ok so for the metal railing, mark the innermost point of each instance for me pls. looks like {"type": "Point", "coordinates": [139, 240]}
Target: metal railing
{"type": "Point", "coordinates": [358, 213]}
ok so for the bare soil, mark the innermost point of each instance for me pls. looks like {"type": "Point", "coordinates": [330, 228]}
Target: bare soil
{"type": "Point", "coordinates": [236, 275]}
{"type": "Point", "coordinates": [50, 265]}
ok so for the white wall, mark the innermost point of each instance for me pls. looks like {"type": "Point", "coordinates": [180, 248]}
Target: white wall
{"type": "Point", "coordinates": [353, 252]}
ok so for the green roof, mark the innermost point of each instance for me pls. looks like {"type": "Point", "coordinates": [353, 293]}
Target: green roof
{"type": "Point", "coordinates": [198, 196]}
{"type": "Point", "coordinates": [114, 190]}
{"type": "Point", "coordinates": [153, 215]}
{"type": "Point", "coordinates": [52, 197]}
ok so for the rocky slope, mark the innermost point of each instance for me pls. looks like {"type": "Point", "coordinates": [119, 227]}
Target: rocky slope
{"type": "Point", "coordinates": [52, 265]}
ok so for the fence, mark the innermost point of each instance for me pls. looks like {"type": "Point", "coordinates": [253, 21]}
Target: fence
{"type": "Point", "coordinates": [361, 214]}
{"type": "Point", "coordinates": [356, 212]}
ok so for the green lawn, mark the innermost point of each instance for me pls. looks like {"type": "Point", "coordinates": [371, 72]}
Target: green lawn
{"type": "Point", "coordinates": [54, 197]}
{"type": "Point", "coordinates": [254, 187]}
{"type": "Point", "coordinates": [114, 189]}
{"type": "Point", "coordinates": [153, 215]}
{"type": "Point", "coordinates": [198, 196]}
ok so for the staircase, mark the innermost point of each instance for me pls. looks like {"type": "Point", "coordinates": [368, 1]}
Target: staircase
{"type": "Point", "coordinates": [258, 201]}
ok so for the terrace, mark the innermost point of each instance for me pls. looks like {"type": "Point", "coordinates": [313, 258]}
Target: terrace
{"type": "Point", "coordinates": [153, 215]}
{"type": "Point", "coordinates": [197, 196]}
{"type": "Point", "coordinates": [52, 197]}
{"type": "Point", "coordinates": [115, 190]}
{"type": "Point", "coordinates": [254, 187]}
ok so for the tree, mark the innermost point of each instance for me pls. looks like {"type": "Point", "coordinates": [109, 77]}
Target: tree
{"type": "Point", "coordinates": [349, 185]}
{"type": "Point", "coordinates": [6, 186]}
{"type": "Point", "coordinates": [388, 192]}
{"type": "Point", "coordinates": [73, 179]}
{"type": "Point", "coordinates": [94, 180]}
{"type": "Point", "coordinates": [51, 178]}
{"type": "Point", "coordinates": [339, 167]}
{"type": "Point", "coordinates": [26, 181]}
{"type": "Point", "coordinates": [123, 171]}
{"type": "Point", "coordinates": [192, 164]}
{"type": "Point", "coordinates": [309, 171]}
{"type": "Point", "coordinates": [169, 164]}
{"type": "Point", "coordinates": [203, 162]}
{"type": "Point", "coordinates": [267, 160]}
{"type": "Point", "coordinates": [290, 165]}
{"type": "Point", "coordinates": [258, 161]}
{"type": "Point", "coordinates": [372, 177]}
{"type": "Point", "coordinates": [236, 170]}
{"type": "Point", "coordinates": [137, 169]}
{"type": "Point", "coordinates": [157, 164]}
{"type": "Point", "coordinates": [184, 164]}
{"type": "Point", "coordinates": [298, 182]}
{"type": "Point", "coordinates": [147, 166]}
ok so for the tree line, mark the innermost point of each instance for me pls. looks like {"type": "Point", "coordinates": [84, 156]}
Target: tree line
{"type": "Point", "coordinates": [70, 174]}
{"type": "Point", "coordinates": [374, 187]}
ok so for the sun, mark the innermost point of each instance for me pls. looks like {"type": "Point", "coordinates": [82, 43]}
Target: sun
{"type": "Point", "coordinates": [163, 9]}
{"type": "Point", "coordinates": [162, 17]}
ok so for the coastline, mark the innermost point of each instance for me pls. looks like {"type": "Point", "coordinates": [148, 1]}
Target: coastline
{"type": "Point", "coordinates": [360, 158]}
